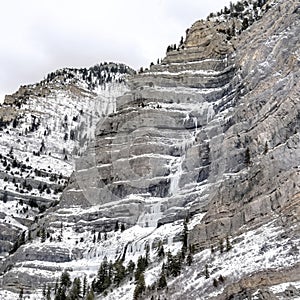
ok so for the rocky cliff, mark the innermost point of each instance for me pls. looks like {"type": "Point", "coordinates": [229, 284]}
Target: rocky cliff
{"type": "Point", "coordinates": [44, 127]}
{"type": "Point", "coordinates": [210, 136]}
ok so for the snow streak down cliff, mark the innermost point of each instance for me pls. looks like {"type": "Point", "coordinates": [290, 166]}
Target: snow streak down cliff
{"type": "Point", "coordinates": [212, 134]}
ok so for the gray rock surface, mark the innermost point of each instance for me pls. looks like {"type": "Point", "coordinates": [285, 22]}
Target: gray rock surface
{"type": "Point", "coordinates": [212, 130]}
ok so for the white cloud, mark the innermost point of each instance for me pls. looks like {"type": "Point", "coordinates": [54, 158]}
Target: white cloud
{"type": "Point", "coordinates": [40, 36]}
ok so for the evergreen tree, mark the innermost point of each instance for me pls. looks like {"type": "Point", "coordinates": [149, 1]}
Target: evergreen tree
{"type": "Point", "coordinates": [122, 227]}
{"type": "Point", "coordinates": [221, 279]}
{"type": "Point", "coordinates": [48, 294]}
{"type": "Point", "coordinates": [119, 272]}
{"type": "Point", "coordinates": [104, 277]}
{"type": "Point", "coordinates": [181, 41]}
{"type": "Point", "coordinates": [90, 295]}
{"type": "Point", "coordinates": [65, 279]}
{"type": "Point", "coordinates": [247, 156]}
{"type": "Point", "coordinates": [29, 238]}
{"type": "Point", "coordinates": [228, 244]}
{"type": "Point", "coordinates": [185, 236]}
{"type": "Point", "coordinates": [43, 235]}
{"type": "Point", "coordinates": [161, 252]}
{"type": "Point", "coordinates": [266, 148]}
{"type": "Point", "coordinates": [147, 255]}
{"type": "Point", "coordinates": [15, 123]}
{"type": "Point", "coordinates": [75, 290]}
{"type": "Point", "coordinates": [130, 267]}
{"type": "Point", "coordinates": [189, 259]}
{"type": "Point", "coordinates": [21, 294]}
{"type": "Point", "coordinates": [61, 293]}
{"type": "Point", "coordinates": [56, 286]}
{"type": "Point", "coordinates": [206, 272]}
{"type": "Point", "coordinates": [215, 282]}
{"type": "Point", "coordinates": [162, 282]}
{"type": "Point", "coordinates": [4, 199]}
{"type": "Point", "coordinates": [117, 226]}
{"type": "Point", "coordinates": [44, 290]}
{"type": "Point", "coordinates": [140, 287]}
{"type": "Point", "coordinates": [140, 268]}
{"type": "Point", "coordinates": [84, 288]}
{"type": "Point", "coordinates": [173, 264]}
{"type": "Point", "coordinates": [221, 245]}
{"type": "Point", "coordinates": [245, 24]}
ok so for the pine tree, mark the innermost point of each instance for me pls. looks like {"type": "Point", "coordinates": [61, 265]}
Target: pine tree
{"type": "Point", "coordinates": [215, 282]}
{"type": "Point", "coordinates": [61, 293]}
{"type": "Point", "coordinates": [76, 289]}
{"type": "Point", "coordinates": [84, 288]}
{"type": "Point", "coordinates": [140, 287]}
{"type": "Point", "coordinates": [44, 290]}
{"type": "Point", "coordinates": [117, 226]}
{"type": "Point", "coordinates": [162, 282]}
{"type": "Point", "coordinates": [228, 244]}
{"type": "Point", "coordinates": [221, 245]}
{"type": "Point", "coordinates": [245, 24]}
{"type": "Point", "coordinates": [43, 235]}
{"type": "Point", "coordinates": [185, 236]}
{"type": "Point", "coordinates": [266, 148]}
{"type": "Point", "coordinates": [15, 123]}
{"type": "Point", "coordinates": [120, 272]}
{"type": "Point", "coordinates": [56, 286]}
{"type": "Point", "coordinates": [29, 238]}
{"type": "Point", "coordinates": [221, 279]}
{"type": "Point", "coordinates": [21, 294]}
{"type": "Point", "coordinates": [161, 252]}
{"type": "Point", "coordinates": [90, 295]}
{"type": "Point", "coordinates": [65, 279]}
{"type": "Point", "coordinates": [174, 264]}
{"type": "Point", "coordinates": [206, 272]}
{"type": "Point", "coordinates": [140, 268]}
{"type": "Point", "coordinates": [104, 276]}
{"type": "Point", "coordinates": [122, 227]}
{"type": "Point", "coordinates": [130, 267]}
{"type": "Point", "coordinates": [181, 41]}
{"type": "Point", "coordinates": [247, 156]}
{"type": "Point", "coordinates": [48, 294]}
{"type": "Point", "coordinates": [147, 258]}
{"type": "Point", "coordinates": [4, 199]}
{"type": "Point", "coordinates": [189, 259]}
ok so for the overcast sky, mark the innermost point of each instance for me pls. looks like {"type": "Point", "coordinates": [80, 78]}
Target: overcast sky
{"type": "Point", "coordinates": [38, 37]}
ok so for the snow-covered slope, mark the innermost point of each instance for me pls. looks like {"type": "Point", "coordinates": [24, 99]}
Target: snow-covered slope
{"type": "Point", "coordinates": [44, 127]}
{"type": "Point", "coordinates": [194, 177]}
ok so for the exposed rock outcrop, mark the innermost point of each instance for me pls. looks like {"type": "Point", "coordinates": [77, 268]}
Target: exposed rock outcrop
{"type": "Point", "coordinates": [211, 133]}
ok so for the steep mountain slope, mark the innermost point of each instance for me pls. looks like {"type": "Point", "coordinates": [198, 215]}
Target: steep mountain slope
{"type": "Point", "coordinates": [43, 129]}
{"type": "Point", "coordinates": [210, 136]}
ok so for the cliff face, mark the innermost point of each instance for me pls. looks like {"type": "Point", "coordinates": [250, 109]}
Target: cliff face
{"type": "Point", "coordinates": [210, 127]}
{"type": "Point", "coordinates": [43, 128]}
{"type": "Point", "coordinates": [211, 133]}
